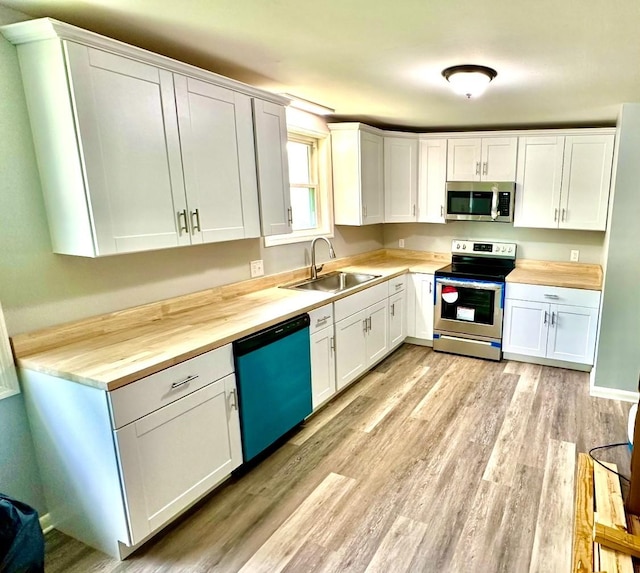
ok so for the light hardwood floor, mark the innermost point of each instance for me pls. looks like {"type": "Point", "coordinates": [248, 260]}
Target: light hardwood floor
{"type": "Point", "coordinates": [431, 462]}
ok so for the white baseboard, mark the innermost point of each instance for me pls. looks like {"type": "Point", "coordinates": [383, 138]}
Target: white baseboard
{"type": "Point", "coordinates": [614, 394]}
{"type": "Point", "coordinates": [45, 523]}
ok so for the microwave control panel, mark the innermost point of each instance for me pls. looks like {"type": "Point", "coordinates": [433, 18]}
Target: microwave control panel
{"type": "Point", "coordinates": [504, 203]}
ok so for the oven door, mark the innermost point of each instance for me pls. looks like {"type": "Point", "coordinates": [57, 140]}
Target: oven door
{"type": "Point", "coordinates": [468, 306]}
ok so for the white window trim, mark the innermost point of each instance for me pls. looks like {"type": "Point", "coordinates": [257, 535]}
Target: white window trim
{"type": "Point", "coordinates": [326, 191]}
{"type": "Point", "coordinates": [8, 377]}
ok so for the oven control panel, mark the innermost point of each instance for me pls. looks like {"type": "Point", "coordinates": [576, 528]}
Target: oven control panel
{"type": "Point", "coordinates": [483, 248]}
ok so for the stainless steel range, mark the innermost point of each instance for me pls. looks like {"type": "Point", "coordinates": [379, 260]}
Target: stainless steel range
{"type": "Point", "coordinates": [469, 298]}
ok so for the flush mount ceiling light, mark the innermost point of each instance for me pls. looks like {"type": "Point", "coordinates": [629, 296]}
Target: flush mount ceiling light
{"type": "Point", "coordinates": [469, 80]}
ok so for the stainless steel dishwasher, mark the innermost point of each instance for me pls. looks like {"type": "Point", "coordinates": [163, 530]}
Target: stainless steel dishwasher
{"type": "Point", "coordinates": [273, 370]}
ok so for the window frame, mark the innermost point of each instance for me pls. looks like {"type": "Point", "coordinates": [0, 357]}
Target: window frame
{"type": "Point", "coordinates": [324, 192]}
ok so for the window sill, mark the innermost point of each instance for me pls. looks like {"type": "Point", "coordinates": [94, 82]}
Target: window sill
{"type": "Point", "coordinates": [299, 237]}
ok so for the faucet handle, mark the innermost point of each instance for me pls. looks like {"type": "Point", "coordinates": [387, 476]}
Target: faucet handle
{"type": "Point", "coordinates": [319, 268]}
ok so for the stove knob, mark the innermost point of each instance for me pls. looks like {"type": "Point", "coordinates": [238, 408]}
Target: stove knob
{"type": "Point", "coordinates": [510, 249]}
{"type": "Point", "coordinates": [464, 247]}
{"type": "Point", "coordinates": [457, 245]}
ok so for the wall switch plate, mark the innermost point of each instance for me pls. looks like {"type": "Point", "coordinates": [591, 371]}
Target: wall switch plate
{"type": "Point", "coordinates": [401, 243]}
{"type": "Point", "coordinates": [257, 269]}
{"type": "Point", "coordinates": [575, 256]}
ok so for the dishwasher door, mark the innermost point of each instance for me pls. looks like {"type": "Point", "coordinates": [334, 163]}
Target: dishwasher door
{"type": "Point", "coordinates": [273, 370]}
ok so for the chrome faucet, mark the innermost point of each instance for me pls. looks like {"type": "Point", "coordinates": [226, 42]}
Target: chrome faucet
{"type": "Point", "coordinates": [332, 255]}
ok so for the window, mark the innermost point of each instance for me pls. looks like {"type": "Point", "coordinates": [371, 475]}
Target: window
{"type": "Point", "coordinates": [8, 379]}
{"type": "Point", "coordinates": [309, 189]}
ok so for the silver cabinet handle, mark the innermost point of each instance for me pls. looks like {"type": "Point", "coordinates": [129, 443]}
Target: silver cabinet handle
{"type": "Point", "coordinates": [553, 319]}
{"type": "Point", "coordinates": [369, 321]}
{"type": "Point", "coordinates": [546, 316]}
{"type": "Point", "coordinates": [398, 287]}
{"type": "Point", "coordinates": [195, 226]}
{"type": "Point", "coordinates": [564, 212]}
{"type": "Point", "coordinates": [442, 210]}
{"type": "Point", "coordinates": [393, 308]}
{"type": "Point", "coordinates": [332, 342]}
{"type": "Point", "coordinates": [183, 382]}
{"type": "Point", "coordinates": [364, 208]}
{"type": "Point", "coordinates": [322, 320]}
{"type": "Point", "coordinates": [364, 326]}
{"type": "Point", "coordinates": [234, 403]}
{"type": "Point", "coordinates": [555, 215]}
{"type": "Point", "coordinates": [290, 216]}
{"type": "Point", "coordinates": [485, 168]}
{"type": "Point", "coordinates": [552, 296]}
{"type": "Point", "coordinates": [430, 287]}
{"type": "Point", "coordinates": [477, 168]}
{"type": "Point", "coordinates": [182, 227]}
{"type": "Point", "coordinates": [414, 210]}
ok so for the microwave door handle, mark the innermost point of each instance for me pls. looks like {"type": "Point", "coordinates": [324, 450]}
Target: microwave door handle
{"type": "Point", "coordinates": [494, 203]}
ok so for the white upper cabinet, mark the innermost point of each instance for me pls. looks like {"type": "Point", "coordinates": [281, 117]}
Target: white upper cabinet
{"type": "Point", "coordinates": [137, 151]}
{"type": "Point", "coordinates": [400, 179]}
{"type": "Point", "coordinates": [586, 180]}
{"type": "Point", "coordinates": [563, 181]}
{"type": "Point", "coordinates": [432, 180]}
{"type": "Point", "coordinates": [482, 159]}
{"type": "Point", "coordinates": [273, 167]}
{"type": "Point", "coordinates": [216, 137]}
{"type": "Point", "coordinates": [357, 161]}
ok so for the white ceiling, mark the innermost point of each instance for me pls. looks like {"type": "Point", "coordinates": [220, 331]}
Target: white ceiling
{"type": "Point", "coordinates": [559, 62]}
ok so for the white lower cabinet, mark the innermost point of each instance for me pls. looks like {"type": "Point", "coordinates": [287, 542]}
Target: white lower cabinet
{"type": "Point", "coordinates": [362, 332]}
{"type": "Point", "coordinates": [420, 306]}
{"type": "Point", "coordinates": [550, 322]}
{"type": "Point", "coordinates": [130, 460]}
{"type": "Point", "coordinates": [174, 455]}
{"type": "Point", "coordinates": [397, 319]}
{"type": "Point", "coordinates": [323, 355]}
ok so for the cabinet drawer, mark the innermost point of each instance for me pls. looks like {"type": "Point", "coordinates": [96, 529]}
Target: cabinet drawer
{"type": "Point", "coordinates": [553, 295]}
{"type": "Point", "coordinates": [397, 284]}
{"type": "Point", "coordinates": [321, 318]}
{"type": "Point", "coordinates": [148, 394]}
{"type": "Point", "coordinates": [356, 302]}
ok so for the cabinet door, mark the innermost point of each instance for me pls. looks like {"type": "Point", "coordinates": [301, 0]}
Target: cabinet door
{"type": "Point", "coordinates": [128, 138]}
{"type": "Point", "coordinates": [371, 178]}
{"type": "Point", "coordinates": [323, 366]}
{"type": "Point", "coordinates": [463, 159]}
{"type": "Point", "coordinates": [586, 181]}
{"type": "Point", "coordinates": [397, 319]}
{"type": "Point", "coordinates": [423, 288]}
{"type": "Point", "coordinates": [400, 179]}
{"type": "Point", "coordinates": [538, 182]}
{"type": "Point", "coordinates": [273, 167]}
{"type": "Point", "coordinates": [176, 454]}
{"type": "Point", "coordinates": [432, 180]}
{"type": "Point", "coordinates": [572, 333]}
{"type": "Point", "coordinates": [216, 135]}
{"type": "Point", "coordinates": [351, 351]}
{"type": "Point", "coordinates": [377, 338]}
{"type": "Point", "coordinates": [499, 158]}
{"type": "Point", "coordinates": [526, 325]}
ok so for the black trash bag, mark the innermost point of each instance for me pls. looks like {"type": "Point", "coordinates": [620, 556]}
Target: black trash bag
{"type": "Point", "coordinates": [21, 539]}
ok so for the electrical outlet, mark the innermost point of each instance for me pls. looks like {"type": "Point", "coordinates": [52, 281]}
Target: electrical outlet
{"type": "Point", "coordinates": [257, 268]}
{"type": "Point", "coordinates": [575, 256]}
{"type": "Point", "coordinates": [401, 243]}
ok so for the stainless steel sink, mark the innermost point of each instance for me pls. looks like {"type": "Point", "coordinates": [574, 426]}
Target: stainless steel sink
{"type": "Point", "coordinates": [333, 282]}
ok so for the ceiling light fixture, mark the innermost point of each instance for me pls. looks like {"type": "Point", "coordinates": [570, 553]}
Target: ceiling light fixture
{"type": "Point", "coordinates": [469, 80]}
{"type": "Point", "coordinates": [311, 106]}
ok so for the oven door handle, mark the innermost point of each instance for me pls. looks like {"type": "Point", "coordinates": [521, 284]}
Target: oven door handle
{"type": "Point", "coordinates": [470, 284]}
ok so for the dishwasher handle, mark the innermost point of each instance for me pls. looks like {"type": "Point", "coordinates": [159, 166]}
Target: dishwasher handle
{"type": "Point", "coordinates": [272, 334]}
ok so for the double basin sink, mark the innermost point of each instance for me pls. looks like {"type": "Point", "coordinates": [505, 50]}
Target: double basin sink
{"type": "Point", "coordinates": [333, 282]}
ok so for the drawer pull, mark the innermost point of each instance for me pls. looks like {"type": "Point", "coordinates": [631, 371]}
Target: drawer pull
{"type": "Point", "coordinates": [333, 344]}
{"type": "Point", "coordinates": [552, 296]}
{"type": "Point", "coordinates": [398, 286]}
{"type": "Point", "coordinates": [546, 317]}
{"type": "Point", "coordinates": [322, 320]}
{"type": "Point", "coordinates": [183, 382]}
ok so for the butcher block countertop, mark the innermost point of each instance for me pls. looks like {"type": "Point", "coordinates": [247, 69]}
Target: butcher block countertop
{"type": "Point", "coordinates": [547, 273]}
{"type": "Point", "coordinates": [112, 350]}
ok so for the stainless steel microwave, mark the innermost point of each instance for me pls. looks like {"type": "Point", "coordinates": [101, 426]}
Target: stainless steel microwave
{"type": "Point", "coordinates": [480, 201]}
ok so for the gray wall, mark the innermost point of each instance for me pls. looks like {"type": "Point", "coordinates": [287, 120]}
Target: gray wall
{"type": "Point", "coordinates": [537, 244]}
{"type": "Point", "coordinates": [618, 355]}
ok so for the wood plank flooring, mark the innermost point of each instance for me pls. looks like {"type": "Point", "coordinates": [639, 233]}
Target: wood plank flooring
{"type": "Point", "coordinates": [431, 462]}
